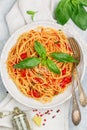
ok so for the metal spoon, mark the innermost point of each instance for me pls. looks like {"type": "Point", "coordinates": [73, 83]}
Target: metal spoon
{"type": "Point", "coordinates": [76, 114]}
{"type": "Point", "coordinates": [76, 53]}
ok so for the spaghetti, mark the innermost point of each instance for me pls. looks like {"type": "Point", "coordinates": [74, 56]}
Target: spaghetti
{"type": "Point", "coordinates": [39, 82]}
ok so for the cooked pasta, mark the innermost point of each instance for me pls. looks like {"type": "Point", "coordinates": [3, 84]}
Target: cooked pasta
{"type": "Point", "coordinates": [39, 82]}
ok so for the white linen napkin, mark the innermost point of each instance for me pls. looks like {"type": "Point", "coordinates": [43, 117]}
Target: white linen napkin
{"type": "Point", "coordinates": [16, 18]}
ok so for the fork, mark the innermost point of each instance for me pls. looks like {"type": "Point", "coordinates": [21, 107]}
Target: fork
{"type": "Point", "coordinates": [76, 53]}
{"type": "Point", "coordinates": [76, 114]}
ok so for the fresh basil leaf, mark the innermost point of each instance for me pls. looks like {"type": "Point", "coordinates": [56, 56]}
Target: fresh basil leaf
{"type": "Point", "coordinates": [79, 17]}
{"type": "Point", "coordinates": [62, 11]}
{"type": "Point", "coordinates": [52, 66]}
{"type": "Point", "coordinates": [28, 63]}
{"type": "Point", "coordinates": [32, 13]}
{"type": "Point", "coordinates": [63, 57]}
{"type": "Point", "coordinates": [39, 48]}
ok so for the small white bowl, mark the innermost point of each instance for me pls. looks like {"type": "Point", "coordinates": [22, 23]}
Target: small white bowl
{"type": "Point", "coordinates": [9, 84]}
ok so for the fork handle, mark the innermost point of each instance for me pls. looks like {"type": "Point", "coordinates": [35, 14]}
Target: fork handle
{"type": "Point", "coordinates": [82, 95]}
{"type": "Point", "coordinates": [76, 114]}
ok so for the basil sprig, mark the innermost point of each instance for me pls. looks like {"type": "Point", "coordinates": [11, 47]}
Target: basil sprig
{"type": "Point", "coordinates": [32, 13]}
{"type": "Point", "coordinates": [41, 51]}
{"type": "Point", "coordinates": [44, 59]}
{"type": "Point", "coordinates": [72, 9]}
{"type": "Point", "coordinates": [63, 57]}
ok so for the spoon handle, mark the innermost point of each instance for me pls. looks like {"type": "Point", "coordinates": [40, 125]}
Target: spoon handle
{"type": "Point", "coordinates": [76, 114]}
{"type": "Point", "coordinates": [82, 95]}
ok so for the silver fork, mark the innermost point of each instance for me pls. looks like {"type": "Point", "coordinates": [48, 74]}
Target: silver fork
{"type": "Point", "coordinates": [76, 53]}
{"type": "Point", "coordinates": [76, 114]}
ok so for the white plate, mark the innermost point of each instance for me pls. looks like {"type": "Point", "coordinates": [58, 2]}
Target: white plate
{"type": "Point", "coordinates": [11, 87]}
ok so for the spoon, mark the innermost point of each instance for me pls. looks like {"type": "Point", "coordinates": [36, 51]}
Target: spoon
{"type": "Point", "coordinates": [76, 53]}
{"type": "Point", "coordinates": [76, 114]}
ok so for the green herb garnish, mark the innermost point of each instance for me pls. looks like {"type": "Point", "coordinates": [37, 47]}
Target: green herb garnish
{"type": "Point", "coordinates": [28, 63]}
{"type": "Point", "coordinates": [73, 9]}
{"type": "Point", "coordinates": [40, 49]}
{"type": "Point", "coordinates": [52, 66]}
{"type": "Point", "coordinates": [32, 13]}
{"type": "Point", "coordinates": [44, 59]}
{"type": "Point", "coordinates": [63, 57]}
